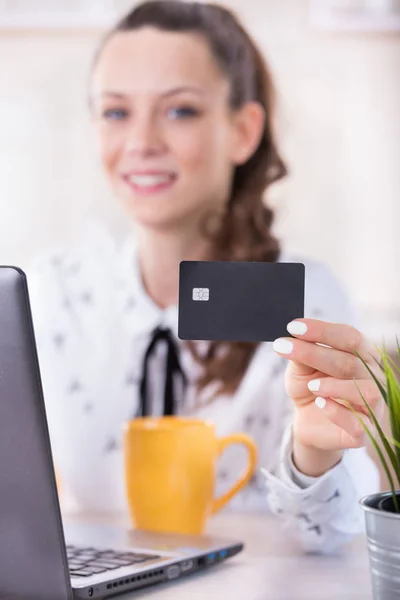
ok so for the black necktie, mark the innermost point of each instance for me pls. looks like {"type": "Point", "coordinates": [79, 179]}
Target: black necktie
{"type": "Point", "coordinates": [173, 368]}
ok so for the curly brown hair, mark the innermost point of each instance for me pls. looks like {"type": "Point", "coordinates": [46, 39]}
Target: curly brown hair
{"type": "Point", "coordinates": [243, 233]}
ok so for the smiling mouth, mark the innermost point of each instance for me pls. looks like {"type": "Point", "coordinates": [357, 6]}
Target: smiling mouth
{"type": "Point", "coordinates": [147, 183]}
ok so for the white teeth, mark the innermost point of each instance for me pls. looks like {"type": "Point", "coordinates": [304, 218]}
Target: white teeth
{"type": "Point", "coordinates": [149, 180]}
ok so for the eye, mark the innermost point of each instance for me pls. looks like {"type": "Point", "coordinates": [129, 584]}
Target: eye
{"type": "Point", "coordinates": [183, 112]}
{"type": "Point", "coordinates": [115, 114]}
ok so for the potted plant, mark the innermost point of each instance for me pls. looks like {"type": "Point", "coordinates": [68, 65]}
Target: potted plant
{"type": "Point", "coordinates": [382, 510]}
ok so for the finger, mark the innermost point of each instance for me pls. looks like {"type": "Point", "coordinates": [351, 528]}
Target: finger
{"type": "Point", "coordinates": [351, 433]}
{"type": "Point", "coordinates": [308, 357]}
{"type": "Point", "coordinates": [351, 390]}
{"type": "Point", "coordinates": [335, 335]}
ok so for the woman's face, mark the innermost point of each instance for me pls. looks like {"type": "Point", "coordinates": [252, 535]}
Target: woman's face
{"type": "Point", "coordinates": [167, 137]}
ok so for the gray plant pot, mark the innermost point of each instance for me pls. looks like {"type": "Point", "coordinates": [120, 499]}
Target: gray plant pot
{"type": "Point", "coordinates": [383, 533]}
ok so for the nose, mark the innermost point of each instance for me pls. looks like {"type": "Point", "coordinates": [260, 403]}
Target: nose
{"type": "Point", "coordinates": [144, 137]}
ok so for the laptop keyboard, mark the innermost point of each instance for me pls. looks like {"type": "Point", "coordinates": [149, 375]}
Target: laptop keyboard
{"type": "Point", "coordinates": [83, 562]}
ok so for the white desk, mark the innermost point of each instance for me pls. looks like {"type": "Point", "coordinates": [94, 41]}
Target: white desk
{"type": "Point", "coordinates": [270, 568]}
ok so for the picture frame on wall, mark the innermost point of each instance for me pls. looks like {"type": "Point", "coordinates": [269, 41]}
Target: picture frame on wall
{"type": "Point", "coordinates": [355, 15]}
{"type": "Point", "coordinates": [60, 14]}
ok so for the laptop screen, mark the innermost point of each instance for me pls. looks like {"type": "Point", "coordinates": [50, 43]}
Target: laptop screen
{"type": "Point", "coordinates": [32, 551]}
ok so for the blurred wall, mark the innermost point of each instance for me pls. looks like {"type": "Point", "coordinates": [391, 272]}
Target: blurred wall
{"type": "Point", "coordinates": [339, 123]}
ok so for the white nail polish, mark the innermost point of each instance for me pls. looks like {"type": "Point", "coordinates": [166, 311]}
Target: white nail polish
{"type": "Point", "coordinates": [283, 346]}
{"type": "Point", "coordinates": [296, 327]}
{"type": "Point", "coordinates": [313, 385]}
{"type": "Point", "coordinates": [320, 402]}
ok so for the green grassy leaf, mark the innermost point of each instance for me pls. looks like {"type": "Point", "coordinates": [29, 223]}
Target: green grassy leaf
{"type": "Point", "coordinates": [394, 406]}
{"type": "Point", "coordinates": [380, 455]}
{"type": "Point", "coordinates": [393, 441]}
{"type": "Point", "coordinates": [390, 391]}
{"type": "Point", "coordinates": [393, 364]}
{"type": "Point", "coordinates": [374, 377]}
{"type": "Point", "coordinates": [394, 459]}
{"type": "Point", "coordinates": [380, 366]}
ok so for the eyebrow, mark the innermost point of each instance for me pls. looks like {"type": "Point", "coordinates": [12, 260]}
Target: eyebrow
{"type": "Point", "coordinates": [166, 94]}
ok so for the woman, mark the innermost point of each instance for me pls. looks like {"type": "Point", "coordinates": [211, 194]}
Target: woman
{"type": "Point", "coordinates": [182, 104]}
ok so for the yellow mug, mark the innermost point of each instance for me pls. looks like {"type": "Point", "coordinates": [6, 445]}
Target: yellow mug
{"type": "Point", "coordinates": [170, 472]}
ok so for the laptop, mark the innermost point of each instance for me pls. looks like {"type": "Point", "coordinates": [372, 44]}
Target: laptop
{"type": "Point", "coordinates": [42, 558]}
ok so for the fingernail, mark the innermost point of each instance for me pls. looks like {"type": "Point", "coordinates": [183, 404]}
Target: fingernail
{"type": "Point", "coordinates": [283, 346]}
{"type": "Point", "coordinates": [320, 402]}
{"type": "Point", "coordinates": [313, 385]}
{"type": "Point", "coordinates": [296, 327]}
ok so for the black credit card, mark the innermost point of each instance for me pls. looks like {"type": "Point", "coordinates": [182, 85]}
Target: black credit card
{"type": "Point", "coordinates": [239, 301]}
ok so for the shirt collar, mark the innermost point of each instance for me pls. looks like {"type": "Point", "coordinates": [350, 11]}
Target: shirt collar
{"type": "Point", "coordinates": [145, 314]}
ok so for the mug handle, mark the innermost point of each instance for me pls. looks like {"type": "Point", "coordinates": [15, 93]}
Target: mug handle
{"type": "Point", "coordinates": [245, 440]}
